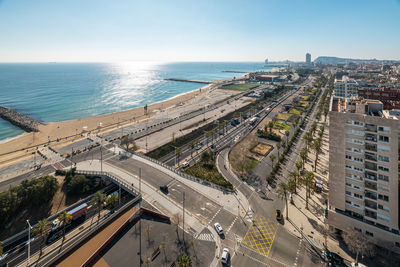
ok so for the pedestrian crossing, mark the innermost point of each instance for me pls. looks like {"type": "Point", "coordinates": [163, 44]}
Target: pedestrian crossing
{"type": "Point", "coordinates": [205, 237]}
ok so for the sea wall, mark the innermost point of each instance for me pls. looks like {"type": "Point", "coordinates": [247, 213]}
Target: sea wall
{"type": "Point", "coordinates": [22, 121]}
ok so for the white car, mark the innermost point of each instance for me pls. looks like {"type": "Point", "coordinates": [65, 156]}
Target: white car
{"type": "Point", "coordinates": [185, 164]}
{"type": "Point", "coordinates": [353, 264]}
{"type": "Point", "coordinates": [218, 228]}
{"type": "Point", "coordinates": [225, 256]}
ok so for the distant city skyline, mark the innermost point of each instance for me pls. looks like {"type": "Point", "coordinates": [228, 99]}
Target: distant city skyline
{"type": "Point", "coordinates": [105, 31]}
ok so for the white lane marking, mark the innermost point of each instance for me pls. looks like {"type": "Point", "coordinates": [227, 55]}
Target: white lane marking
{"type": "Point", "coordinates": [215, 215]}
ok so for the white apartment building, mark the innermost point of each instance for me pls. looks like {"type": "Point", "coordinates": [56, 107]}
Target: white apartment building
{"type": "Point", "coordinates": [346, 87]}
{"type": "Point", "coordinates": [364, 170]}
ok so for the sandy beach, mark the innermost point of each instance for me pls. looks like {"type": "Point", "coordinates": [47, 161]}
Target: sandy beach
{"type": "Point", "coordinates": [64, 132]}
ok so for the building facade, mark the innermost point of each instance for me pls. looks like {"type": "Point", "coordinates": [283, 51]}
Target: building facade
{"type": "Point", "coordinates": [389, 97]}
{"type": "Point", "coordinates": [308, 58]}
{"type": "Point", "coordinates": [346, 87]}
{"type": "Point", "coordinates": [364, 171]}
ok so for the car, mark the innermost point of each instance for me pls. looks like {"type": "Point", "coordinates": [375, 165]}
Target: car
{"type": "Point", "coordinates": [199, 146]}
{"type": "Point", "coordinates": [334, 258]}
{"type": "Point", "coordinates": [353, 264]}
{"type": "Point", "coordinates": [218, 228]}
{"type": "Point", "coordinates": [164, 188]}
{"type": "Point", "coordinates": [278, 215]}
{"type": "Point", "coordinates": [185, 164]}
{"type": "Point", "coordinates": [225, 256]}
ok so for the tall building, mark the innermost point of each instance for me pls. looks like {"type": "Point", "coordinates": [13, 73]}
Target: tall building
{"type": "Point", "coordinates": [266, 61]}
{"type": "Point", "coordinates": [346, 87]}
{"type": "Point", "coordinates": [364, 170]}
{"type": "Point", "coordinates": [308, 58]}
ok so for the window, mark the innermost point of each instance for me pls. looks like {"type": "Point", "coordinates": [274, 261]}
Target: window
{"type": "Point", "coordinates": [358, 159]}
{"type": "Point", "coordinates": [382, 148]}
{"type": "Point", "coordinates": [383, 217]}
{"type": "Point", "coordinates": [384, 188]}
{"type": "Point", "coordinates": [383, 129]}
{"type": "Point", "coordinates": [357, 195]}
{"type": "Point", "coordinates": [358, 229]}
{"type": "Point", "coordinates": [348, 193]}
{"type": "Point", "coordinates": [383, 197]}
{"type": "Point", "coordinates": [357, 123]}
{"type": "Point", "coordinates": [383, 168]}
{"type": "Point", "coordinates": [348, 202]}
{"type": "Point", "coordinates": [383, 177]}
{"type": "Point", "coordinates": [369, 233]}
{"type": "Point", "coordinates": [383, 207]}
{"type": "Point", "coordinates": [383, 158]}
{"type": "Point", "coordinates": [355, 132]}
{"type": "Point", "coordinates": [348, 157]}
{"type": "Point", "coordinates": [358, 169]}
{"type": "Point", "coordinates": [383, 138]}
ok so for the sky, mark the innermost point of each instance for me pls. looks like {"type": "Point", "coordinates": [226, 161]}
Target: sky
{"type": "Point", "coordinates": [193, 30]}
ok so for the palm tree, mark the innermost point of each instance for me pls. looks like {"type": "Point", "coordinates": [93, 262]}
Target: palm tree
{"type": "Point", "coordinates": [317, 146]}
{"type": "Point", "coordinates": [98, 202]}
{"type": "Point", "coordinates": [270, 125]}
{"type": "Point", "coordinates": [278, 146]}
{"type": "Point", "coordinates": [299, 166]}
{"type": "Point", "coordinates": [292, 189]}
{"type": "Point", "coordinates": [208, 134]}
{"type": "Point", "coordinates": [283, 143]}
{"type": "Point", "coordinates": [41, 229]}
{"type": "Point", "coordinates": [287, 136]}
{"type": "Point", "coordinates": [192, 245]}
{"type": "Point", "coordinates": [184, 261]}
{"type": "Point", "coordinates": [308, 138]}
{"type": "Point", "coordinates": [192, 145]}
{"type": "Point", "coordinates": [304, 156]}
{"type": "Point", "coordinates": [112, 200]}
{"type": "Point", "coordinates": [178, 153]}
{"type": "Point", "coordinates": [282, 191]}
{"type": "Point", "coordinates": [272, 157]}
{"type": "Point", "coordinates": [64, 218]}
{"type": "Point", "coordinates": [295, 175]}
{"type": "Point", "coordinates": [308, 181]}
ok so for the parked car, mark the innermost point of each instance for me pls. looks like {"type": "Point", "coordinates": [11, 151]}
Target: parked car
{"type": "Point", "coordinates": [164, 189]}
{"type": "Point", "coordinates": [218, 228]}
{"type": "Point", "coordinates": [199, 146]}
{"type": "Point", "coordinates": [278, 215]}
{"type": "Point", "coordinates": [225, 256]}
{"type": "Point", "coordinates": [353, 264]}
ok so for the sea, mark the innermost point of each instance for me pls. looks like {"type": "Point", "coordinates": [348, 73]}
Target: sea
{"type": "Point", "coordinates": [53, 91]}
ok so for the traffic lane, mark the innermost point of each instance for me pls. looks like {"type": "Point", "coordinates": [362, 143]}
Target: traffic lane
{"type": "Point", "coordinates": [285, 246]}
{"type": "Point", "coordinates": [45, 170]}
{"type": "Point", "coordinates": [226, 220]}
{"type": "Point", "coordinates": [151, 175]}
{"type": "Point", "coordinates": [198, 204]}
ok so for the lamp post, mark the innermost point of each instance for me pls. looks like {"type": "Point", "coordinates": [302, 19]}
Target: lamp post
{"type": "Point", "coordinates": [29, 239]}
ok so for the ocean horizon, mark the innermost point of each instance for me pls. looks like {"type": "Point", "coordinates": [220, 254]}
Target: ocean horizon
{"type": "Point", "coordinates": [51, 92]}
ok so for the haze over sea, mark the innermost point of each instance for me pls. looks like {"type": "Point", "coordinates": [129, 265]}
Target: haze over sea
{"type": "Point", "coordinates": [52, 92]}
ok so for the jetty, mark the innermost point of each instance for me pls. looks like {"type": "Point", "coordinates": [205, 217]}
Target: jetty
{"type": "Point", "coordinates": [188, 81]}
{"type": "Point", "coordinates": [235, 71]}
{"type": "Point", "coordinates": [22, 121]}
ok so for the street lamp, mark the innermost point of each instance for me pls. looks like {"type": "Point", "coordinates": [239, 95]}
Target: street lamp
{"type": "Point", "coordinates": [29, 239]}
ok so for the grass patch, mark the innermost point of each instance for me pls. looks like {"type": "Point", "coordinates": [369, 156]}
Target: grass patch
{"type": "Point", "coordinates": [295, 111]}
{"type": "Point", "coordinates": [239, 87]}
{"type": "Point", "coordinates": [303, 104]}
{"type": "Point", "coordinates": [206, 170]}
{"type": "Point", "coordinates": [305, 97]}
{"type": "Point", "coordinates": [284, 116]}
{"type": "Point", "coordinates": [281, 125]}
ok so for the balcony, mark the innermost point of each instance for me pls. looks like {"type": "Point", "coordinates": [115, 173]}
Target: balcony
{"type": "Point", "coordinates": [370, 176]}
{"type": "Point", "coordinates": [370, 128]}
{"type": "Point", "coordinates": [371, 214]}
{"type": "Point", "coordinates": [370, 185]}
{"type": "Point", "coordinates": [371, 156]}
{"type": "Point", "coordinates": [371, 166]}
{"type": "Point", "coordinates": [370, 204]}
{"type": "Point", "coordinates": [371, 147]}
{"type": "Point", "coordinates": [371, 137]}
{"type": "Point", "coordinates": [370, 195]}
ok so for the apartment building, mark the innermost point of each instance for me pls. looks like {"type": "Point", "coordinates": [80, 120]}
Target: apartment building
{"type": "Point", "coordinates": [345, 87]}
{"type": "Point", "coordinates": [364, 171]}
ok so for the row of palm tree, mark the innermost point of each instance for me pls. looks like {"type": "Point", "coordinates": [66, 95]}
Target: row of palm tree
{"type": "Point", "coordinates": [42, 228]}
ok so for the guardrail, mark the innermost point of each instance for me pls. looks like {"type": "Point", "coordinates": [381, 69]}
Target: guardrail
{"type": "Point", "coordinates": [184, 175]}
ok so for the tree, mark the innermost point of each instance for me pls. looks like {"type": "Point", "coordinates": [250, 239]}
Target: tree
{"type": "Point", "coordinates": [292, 189]}
{"type": "Point", "coordinates": [278, 147]}
{"type": "Point", "coordinates": [270, 125]}
{"type": "Point", "coordinates": [304, 156]}
{"type": "Point", "coordinates": [317, 146]}
{"type": "Point", "coordinates": [358, 243]}
{"type": "Point", "coordinates": [41, 229]}
{"type": "Point", "coordinates": [128, 141]}
{"type": "Point", "coordinates": [299, 166]}
{"type": "Point", "coordinates": [282, 191]}
{"type": "Point", "coordinates": [64, 218]}
{"type": "Point", "coordinates": [112, 200]}
{"type": "Point", "coordinates": [192, 145]}
{"type": "Point", "coordinates": [308, 138]}
{"type": "Point", "coordinates": [98, 202]}
{"type": "Point", "coordinates": [184, 261]}
{"type": "Point", "coordinates": [178, 153]}
{"type": "Point", "coordinates": [287, 136]}
{"type": "Point", "coordinates": [272, 157]}
{"type": "Point", "coordinates": [294, 175]}
{"type": "Point", "coordinates": [308, 181]}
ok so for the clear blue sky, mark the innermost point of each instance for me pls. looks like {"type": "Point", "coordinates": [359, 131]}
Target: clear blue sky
{"type": "Point", "coordinates": [194, 30]}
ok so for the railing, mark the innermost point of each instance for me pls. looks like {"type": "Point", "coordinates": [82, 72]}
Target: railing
{"type": "Point", "coordinates": [184, 175]}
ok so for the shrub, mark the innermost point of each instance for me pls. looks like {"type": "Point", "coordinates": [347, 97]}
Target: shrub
{"type": "Point", "coordinates": [78, 184]}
